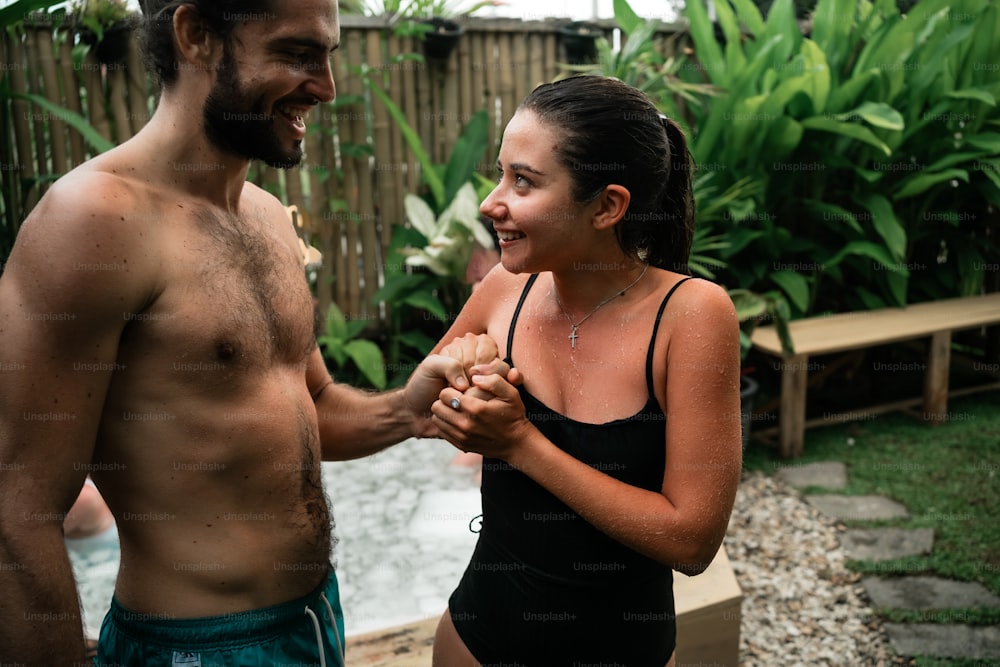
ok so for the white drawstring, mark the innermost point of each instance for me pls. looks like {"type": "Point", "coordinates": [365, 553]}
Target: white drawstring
{"type": "Point", "coordinates": [319, 636]}
{"type": "Point", "coordinates": [319, 632]}
{"type": "Point", "coordinates": [333, 624]}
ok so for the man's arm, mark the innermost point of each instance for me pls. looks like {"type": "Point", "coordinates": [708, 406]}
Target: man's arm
{"type": "Point", "coordinates": [355, 423]}
{"type": "Point", "coordinates": [60, 321]}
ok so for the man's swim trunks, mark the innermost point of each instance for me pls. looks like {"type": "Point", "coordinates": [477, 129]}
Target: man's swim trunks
{"type": "Point", "coordinates": [306, 631]}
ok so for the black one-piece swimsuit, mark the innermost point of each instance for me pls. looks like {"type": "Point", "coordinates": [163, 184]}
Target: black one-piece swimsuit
{"type": "Point", "coordinates": [544, 587]}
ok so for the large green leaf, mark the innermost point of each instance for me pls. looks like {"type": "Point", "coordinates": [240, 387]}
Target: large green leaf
{"type": "Point", "coordinates": [626, 17]}
{"type": "Point", "coordinates": [465, 156]}
{"type": "Point", "coordinates": [795, 286]}
{"type": "Point", "coordinates": [367, 356]}
{"type": "Point", "coordinates": [336, 324]}
{"type": "Point", "coordinates": [825, 124]}
{"type": "Point", "coordinates": [428, 302]}
{"type": "Point", "coordinates": [988, 141]}
{"type": "Point", "coordinates": [433, 181]}
{"type": "Point", "coordinates": [781, 23]}
{"type": "Point", "coordinates": [17, 11]}
{"type": "Point", "coordinates": [919, 183]}
{"type": "Point", "coordinates": [71, 118]}
{"type": "Point", "coordinates": [417, 340]}
{"type": "Point", "coordinates": [748, 13]}
{"type": "Point", "coordinates": [816, 75]}
{"type": "Point", "coordinates": [886, 224]}
{"type": "Point", "coordinates": [865, 249]}
{"type": "Point", "coordinates": [879, 114]}
{"type": "Point", "coordinates": [832, 30]}
{"type": "Point", "coordinates": [980, 94]}
{"type": "Point", "coordinates": [706, 49]}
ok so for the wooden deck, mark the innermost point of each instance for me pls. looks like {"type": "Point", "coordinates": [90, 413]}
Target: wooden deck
{"type": "Point", "coordinates": [404, 646]}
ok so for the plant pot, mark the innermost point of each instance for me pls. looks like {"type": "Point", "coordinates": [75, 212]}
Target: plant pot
{"type": "Point", "coordinates": [748, 391]}
{"type": "Point", "coordinates": [579, 38]}
{"type": "Point", "coordinates": [112, 48]}
{"type": "Point", "coordinates": [441, 39]}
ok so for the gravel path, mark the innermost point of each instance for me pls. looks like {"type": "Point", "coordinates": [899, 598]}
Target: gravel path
{"type": "Point", "coordinates": [801, 606]}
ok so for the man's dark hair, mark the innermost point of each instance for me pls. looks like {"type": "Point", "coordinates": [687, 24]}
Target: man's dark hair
{"type": "Point", "coordinates": [157, 30]}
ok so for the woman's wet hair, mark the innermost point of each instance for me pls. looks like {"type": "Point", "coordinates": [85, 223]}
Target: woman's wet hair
{"type": "Point", "coordinates": [611, 133]}
{"type": "Point", "coordinates": [157, 28]}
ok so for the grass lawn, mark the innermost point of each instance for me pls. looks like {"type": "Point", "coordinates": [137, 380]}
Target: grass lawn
{"type": "Point", "coordinates": [948, 476]}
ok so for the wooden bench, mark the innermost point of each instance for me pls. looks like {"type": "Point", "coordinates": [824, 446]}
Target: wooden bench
{"type": "Point", "coordinates": [853, 331]}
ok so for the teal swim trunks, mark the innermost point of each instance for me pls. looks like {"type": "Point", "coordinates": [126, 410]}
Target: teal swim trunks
{"type": "Point", "coordinates": [306, 632]}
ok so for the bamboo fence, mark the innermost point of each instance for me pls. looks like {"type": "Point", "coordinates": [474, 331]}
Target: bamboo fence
{"type": "Point", "coordinates": [357, 168]}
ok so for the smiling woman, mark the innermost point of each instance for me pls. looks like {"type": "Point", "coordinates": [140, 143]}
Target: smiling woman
{"type": "Point", "coordinates": [612, 456]}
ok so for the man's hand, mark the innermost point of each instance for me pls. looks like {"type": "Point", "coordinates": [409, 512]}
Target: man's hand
{"type": "Point", "coordinates": [453, 366]}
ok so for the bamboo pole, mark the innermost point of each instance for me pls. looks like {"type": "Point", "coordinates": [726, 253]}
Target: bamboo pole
{"type": "Point", "coordinates": [20, 111]}
{"type": "Point", "coordinates": [319, 144]}
{"type": "Point", "coordinates": [93, 86]}
{"type": "Point", "coordinates": [507, 89]}
{"type": "Point", "coordinates": [412, 74]}
{"type": "Point", "coordinates": [138, 87]}
{"type": "Point", "coordinates": [117, 90]}
{"type": "Point", "coordinates": [36, 115]}
{"type": "Point", "coordinates": [371, 244]}
{"type": "Point", "coordinates": [536, 64]}
{"type": "Point", "coordinates": [346, 130]}
{"type": "Point", "coordinates": [71, 90]}
{"type": "Point", "coordinates": [392, 206]}
{"type": "Point", "coordinates": [491, 67]}
{"type": "Point", "coordinates": [387, 177]}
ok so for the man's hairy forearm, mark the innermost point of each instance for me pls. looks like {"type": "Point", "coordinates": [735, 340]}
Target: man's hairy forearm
{"type": "Point", "coordinates": [355, 423]}
{"type": "Point", "coordinates": [40, 621]}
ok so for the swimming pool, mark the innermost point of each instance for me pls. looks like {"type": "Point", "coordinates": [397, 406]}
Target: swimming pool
{"type": "Point", "coordinates": [403, 522]}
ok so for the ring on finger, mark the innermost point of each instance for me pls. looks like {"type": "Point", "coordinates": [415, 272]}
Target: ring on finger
{"type": "Point", "coordinates": [455, 403]}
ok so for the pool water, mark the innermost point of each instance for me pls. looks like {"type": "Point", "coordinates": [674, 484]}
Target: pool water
{"type": "Point", "coordinates": [403, 522]}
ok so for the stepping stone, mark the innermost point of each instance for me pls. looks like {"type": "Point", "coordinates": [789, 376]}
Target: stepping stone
{"type": "Point", "coordinates": [922, 592]}
{"type": "Point", "coordinates": [829, 475]}
{"type": "Point", "coordinates": [858, 508]}
{"type": "Point", "coordinates": [887, 543]}
{"type": "Point", "coordinates": [945, 640]}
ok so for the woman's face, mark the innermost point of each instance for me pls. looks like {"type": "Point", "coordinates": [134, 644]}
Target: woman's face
{"type": "Point", "coordinates": [540, 226]}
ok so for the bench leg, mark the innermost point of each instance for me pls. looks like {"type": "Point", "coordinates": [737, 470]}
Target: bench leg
{"type": "Point", "coordinates": [936, 378]}
{"type": "Point", "coordinates": [793, 405]}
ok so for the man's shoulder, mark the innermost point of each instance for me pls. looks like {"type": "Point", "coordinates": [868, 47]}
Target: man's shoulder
{"type": "Point", "coordinates": [87, 194]}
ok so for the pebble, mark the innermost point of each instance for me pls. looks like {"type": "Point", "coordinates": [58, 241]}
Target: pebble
{"type": "Point", "coordinates": [801, 606]}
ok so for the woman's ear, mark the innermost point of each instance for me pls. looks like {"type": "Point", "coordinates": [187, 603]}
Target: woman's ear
{"type": "Point", "coordinates": [612, 204]}
{"type": "Point", "coordinates": [196, 46]}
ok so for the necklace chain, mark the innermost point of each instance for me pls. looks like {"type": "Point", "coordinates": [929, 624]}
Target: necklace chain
{"type": "Point", "coordinates": [573, 334]}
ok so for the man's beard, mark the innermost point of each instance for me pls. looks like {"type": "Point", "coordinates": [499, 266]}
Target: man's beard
{"type": "Point", "coordinates": [241, 126]}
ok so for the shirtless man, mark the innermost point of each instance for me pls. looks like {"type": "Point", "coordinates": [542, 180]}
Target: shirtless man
{"type": "Point", "coordinates": [158, 335]}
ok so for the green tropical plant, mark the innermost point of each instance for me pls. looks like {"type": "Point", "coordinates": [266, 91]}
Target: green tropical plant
{"type": "Point", "coordinates": [851, 135]}
{"type": "Point", "coordinates": [642, 63]}
{"type": "Point", "coordinates": [355, 361]}
{"type": "Point", "coordinates": [450, 236]}
{"type": "Point", "coordinates": [425, 266]}
{"type": "Point", "coordinates": [100, 15]}
{"type": "Point", "coordinates": [12, 18]}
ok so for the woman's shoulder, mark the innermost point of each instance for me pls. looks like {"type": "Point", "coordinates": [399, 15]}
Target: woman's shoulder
{"type": "Point", "coordinates": [696, 302]}
{"type": "Point", "coordinates": [500, 283]}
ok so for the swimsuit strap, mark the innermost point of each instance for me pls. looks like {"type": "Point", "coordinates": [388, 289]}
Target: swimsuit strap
{"type": "Point", "coordinates": [517, 311]}
{"type": "Point", "coordinates": [652, 340]}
